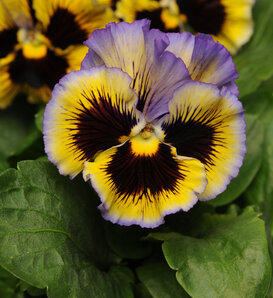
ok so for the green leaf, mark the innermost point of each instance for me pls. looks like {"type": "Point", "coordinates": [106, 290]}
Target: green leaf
{"type": "Point", "coordinates": [186, 223]}
{"type": "Point", "coordinates": [259, 104]}
{"type": "Point", "coordinates": [30, 139]}
{"type": "Point", "coordinates": [52, 236]}
{"type": "Point", "coordinates": [19, 138]}
{"type": "Point", "coordinates": [126, 241]}
{"type": "Point", "coordinates": [251, 164]}
{"type": "Point", "coordinates": [160, 280]}
{"type": "Point", "coordinates": [14, 129]}
{"type": "Point", "coordinates": [230, 260]}
{"type": "Point", "coordinates": [35, 292]}
{"type": "Point", "coordinates": [268, 84]}
{"type": "Point", "coordinates": [39, 116]}
{"type": "Point", "coordinates": [3, 163]}
{"type": "Point", "coordinates": [31, 148]}
{"type": "Point", "coordinates": [260, 193]}
{"type": "Point", "coordinates": [12, 287]}
{"type": "Point", "coordinates": [9, 285]}
{"type": "Point", "coordinates": [140, 291]}
{"type": "Point", "coordinates": [255, 61]}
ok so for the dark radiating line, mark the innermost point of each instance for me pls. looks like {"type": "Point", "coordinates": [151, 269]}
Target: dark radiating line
{"type": "Point", "coordinates": [98, 126]}
{"type": "Point", "coordinates": [114, 4]}
{"type": "Point", "coordinates": [131, 175]}
{"type": "Point", "coordinates": [144, 90]}
{"type": "Point", "coordinates": [196, 137]}
{"type": "Point", "coordinates": [32, 12]}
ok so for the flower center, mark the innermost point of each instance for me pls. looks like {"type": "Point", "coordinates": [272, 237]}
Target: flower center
{"type": "Point", "coordinates": [146, 132]}
{"type": "Point", "coordinates": [33, 43]}
{"type": "Point", "coordinates": [145, 143]}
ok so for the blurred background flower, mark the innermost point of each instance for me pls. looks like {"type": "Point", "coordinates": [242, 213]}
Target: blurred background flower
{"type": "Point", "coordinates": [164, 15]}
{"type": "Point", "coordinates": [41, 41]}
{"type": "Point", "coordinates": [228, 21]}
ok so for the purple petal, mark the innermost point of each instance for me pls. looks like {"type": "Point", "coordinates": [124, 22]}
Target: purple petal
{"type": "Point", "coordinates": [166, 75]}
{"type": "Point", "coordinates": [118, 45]}
{"type": "Point", "coordinates": [139, 52]}
{"type": "Point", "coordinates": [207, 61]}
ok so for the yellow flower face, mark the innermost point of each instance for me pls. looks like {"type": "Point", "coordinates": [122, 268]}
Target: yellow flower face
{"type": "Point", "coordinates": [227, 21]}
{"type": "Point", "coordinates": [42, 41]}
{"type": "Point", "coordinates": [163, 14]}
{"type": "Point", "coordinates": [152, 120]}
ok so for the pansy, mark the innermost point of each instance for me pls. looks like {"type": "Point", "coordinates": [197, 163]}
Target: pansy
{"type": "Point", "coordinates": [41, 41]}
{"type": "Point", "coordinates": [152, 120]}
{"type": "Point", "coordinates": [162, 14]}
{"type": "Point", "coordinates": [228, 21]}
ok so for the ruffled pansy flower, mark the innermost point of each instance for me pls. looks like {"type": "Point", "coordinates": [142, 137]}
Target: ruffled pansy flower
{"type": "Point", "coordinates": [41, 41]}
{"type": "Point", "coordinates": [152, 120]}
{"type": "Point", "coordinates": [228, 21]}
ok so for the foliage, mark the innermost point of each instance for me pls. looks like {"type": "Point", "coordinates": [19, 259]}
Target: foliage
{"type": "Point", "coordinates": [54, 242]}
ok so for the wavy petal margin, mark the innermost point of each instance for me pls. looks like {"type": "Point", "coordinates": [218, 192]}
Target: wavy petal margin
{"type": "Point", "coordinates": [207, 61]}
{"type": "Point", "coordinates": [140, 53]}
{"type": "Point", "coordinates": [90, 110]}
{"type": "Point", "coordinates": [208, 124]}
{"type": "Point", "coordinates": [141, 188]}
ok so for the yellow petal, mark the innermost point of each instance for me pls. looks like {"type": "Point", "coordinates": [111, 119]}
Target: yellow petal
{"type": "Point", "coordinates": [208, 125]}
{"type": "Point", "coordinates": [141, 188]}
{"type": "Point", "coordinates": [90, 110]}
